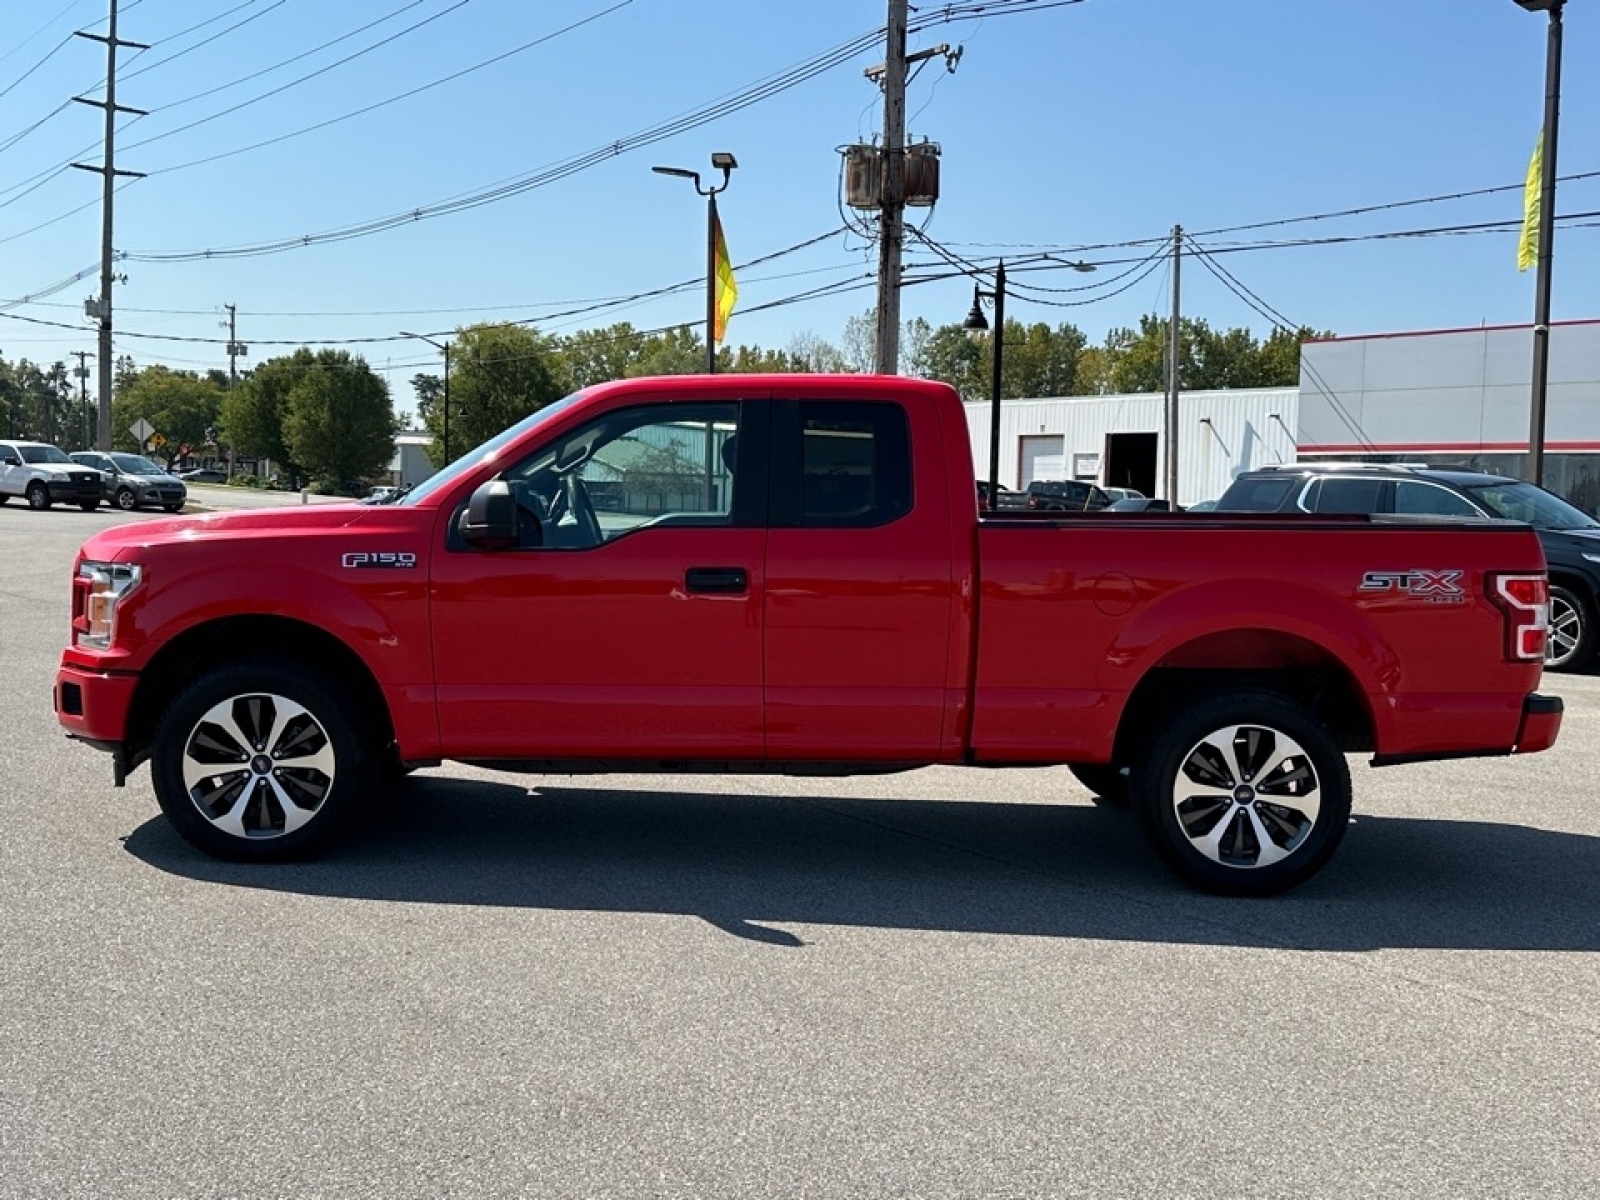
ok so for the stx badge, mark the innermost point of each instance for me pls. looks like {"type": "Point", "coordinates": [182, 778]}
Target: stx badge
{"type": "Point", "coordinates": [403, 559]}
{"type": "Point", "coordinates": [1436, 587]}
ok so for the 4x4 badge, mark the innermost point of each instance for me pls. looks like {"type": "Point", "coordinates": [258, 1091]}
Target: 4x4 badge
{"type": "Point", "coordinates": [1440, 587]}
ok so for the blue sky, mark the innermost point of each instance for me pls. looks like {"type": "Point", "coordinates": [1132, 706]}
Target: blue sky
{"type": "Point", "coordinates": [1078, 128]}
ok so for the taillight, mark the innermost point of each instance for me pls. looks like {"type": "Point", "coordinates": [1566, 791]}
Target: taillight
{"type": "Point", "coordinates": [1033, 501]}
{"type": "Point", "coordinates": [1525, 601]}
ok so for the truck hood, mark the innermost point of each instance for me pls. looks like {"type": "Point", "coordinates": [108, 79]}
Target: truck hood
{"type": "Point", "coordinates": [124, 541]}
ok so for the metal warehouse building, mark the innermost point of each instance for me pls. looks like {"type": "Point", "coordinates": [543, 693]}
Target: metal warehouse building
{"type": "Point", "coordinates": [1448, 396]}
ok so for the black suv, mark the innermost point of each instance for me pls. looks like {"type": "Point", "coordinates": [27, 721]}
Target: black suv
{"type": "Point", "coordinates": [1570, 536]}
{"type": "Point", "coordinates": [1070, 495]}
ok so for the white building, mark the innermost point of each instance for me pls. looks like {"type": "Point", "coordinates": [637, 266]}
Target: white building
{"type": "Point", "coordinates": [1119, 441]}
{"type": "Point", "coordinates": [1457, 396]}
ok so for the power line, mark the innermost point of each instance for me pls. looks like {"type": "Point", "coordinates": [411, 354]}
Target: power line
{"type": "Point", "coordinates": [713, 110]}
{"type": "Point", "coordinates": [172, 37]}
{"type": "Point", "coordinates": [217, 116]}
{"type": "Point", "coordinates": [392, 99]}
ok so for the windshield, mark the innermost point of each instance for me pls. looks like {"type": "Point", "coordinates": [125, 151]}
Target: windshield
{"type": "Point", "coordinates": [489, 449]}
{"type": "Point", "coordinates": [43, 454]}
{"type": "Point", "coordinates": [136, 464]}
{"type": "Point", "coordinates": [1524, 502]}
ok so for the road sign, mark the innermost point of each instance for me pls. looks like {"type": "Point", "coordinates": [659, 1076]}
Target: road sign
{"type": "Point", "coordinates": [141, 429]}
{"type": "Point", "coordinates": [157, 441]}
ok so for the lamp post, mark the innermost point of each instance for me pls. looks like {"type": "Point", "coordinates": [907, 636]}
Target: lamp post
{"type": "Point", "coordinates": [1547, 231]}
{"type": "Point", "coordinates": [443, 347]}
{"type": "Point", "coordinates": [725, 162]}
{"type": "Point", "coordinates": [976, 323]}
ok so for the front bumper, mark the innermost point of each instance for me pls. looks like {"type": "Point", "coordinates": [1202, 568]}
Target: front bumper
{"type": "Point", "coordinates": [93, 706]}
{"type": "Point", "coordinates": [74, 491]}
{"type": "Point", "coordinates": [1541, 723]}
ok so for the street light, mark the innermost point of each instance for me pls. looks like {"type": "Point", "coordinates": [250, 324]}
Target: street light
{"type": "Point", "coordinates": [976, 323]}
{"type": "Point", "coordinates": [445, 348]}
{"type": "Point", "coordinates": [723, 161]}
{"type": "Point", "coordinates": [1547, 232]}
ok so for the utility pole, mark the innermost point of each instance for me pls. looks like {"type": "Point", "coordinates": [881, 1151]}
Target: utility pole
{"type": "Point", "coordinates": [82, 372]}
{"type": "Point", "coordinates": [109, 173]}
{"type": "Point", "coordinates": [236, 348]}
{"type": "Point", "coordinates": [1174, 351]}
{"type": "Point", "coordinates": [892, 231]}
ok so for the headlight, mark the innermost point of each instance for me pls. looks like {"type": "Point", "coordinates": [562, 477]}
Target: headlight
{"type": "Point", "coordinates": [98, 589]}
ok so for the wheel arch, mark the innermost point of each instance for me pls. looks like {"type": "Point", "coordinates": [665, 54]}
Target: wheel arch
{"type": "Point", "coordinates": [213, 643]}
{"type": "Point", "coordinates": [1285, 664]}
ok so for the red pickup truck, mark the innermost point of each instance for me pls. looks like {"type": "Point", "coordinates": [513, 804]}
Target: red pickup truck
{"type": "Point", "coordinates": [791, 574]}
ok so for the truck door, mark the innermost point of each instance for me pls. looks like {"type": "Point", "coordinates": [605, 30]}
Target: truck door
{"type": "Point", "coordinates": [627, 622]}
{"type": "Point", "coordinates": [859, 589]}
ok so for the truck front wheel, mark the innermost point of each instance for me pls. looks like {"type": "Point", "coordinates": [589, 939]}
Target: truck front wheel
{"type": "Point", "coordinates": [1244, 794]}
{"type": "Point", "coordinates": [260, 761]}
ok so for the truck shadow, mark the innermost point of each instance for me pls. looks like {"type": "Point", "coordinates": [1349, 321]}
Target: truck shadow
{"type": "Point", "coordinates": [751, 864]}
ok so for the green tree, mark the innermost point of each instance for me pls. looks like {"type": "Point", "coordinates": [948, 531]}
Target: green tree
{"type": "Point", "coordinates": [754, 360]}
{"type": "Point", "coordinates": [180, 405]}
{"type": "Point", "coordinates": [253, 414]}
{"type": "Point", "coordinates": [430, 392]}
{"type": "Point", "coordinates": [811, 353]}
{"type": "Point", "coordinates": [593, 356]}
{"type": "Point", "coordinates": [38, 402]}
{"type": "Point", "coordinates": [498, 375]}
{"type": "Point", "coordinates": [339, 423]}
{"type": "Point", "coordinates": [677, 351]}
{"type": "Point", "coordinates": [1280, 355]}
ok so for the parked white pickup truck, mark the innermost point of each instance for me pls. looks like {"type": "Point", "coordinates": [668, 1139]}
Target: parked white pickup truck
{"type": "Point", "coordinates": [44, 474]}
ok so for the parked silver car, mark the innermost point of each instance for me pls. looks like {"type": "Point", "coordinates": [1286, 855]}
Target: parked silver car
{"type": "Point", "coordinates": [132, 480]}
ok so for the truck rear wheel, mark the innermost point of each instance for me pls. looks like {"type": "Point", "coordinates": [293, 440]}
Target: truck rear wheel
{"type": "Point", "coordinates": [261, 761]}
{"type": "Point", "coordinates": [1244, 794]}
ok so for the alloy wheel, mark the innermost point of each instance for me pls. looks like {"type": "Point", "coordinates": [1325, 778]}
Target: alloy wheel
{"type": "Point", "coordinates": [258, 766]}
{"type": "Point", "coordinates": [1246, 796]}
{"type": "Point", "coordinates": [1566, 632]}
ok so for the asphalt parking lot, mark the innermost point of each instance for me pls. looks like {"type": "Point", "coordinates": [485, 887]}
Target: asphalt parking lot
{"type": "Point", "coordinates": [943, 984]}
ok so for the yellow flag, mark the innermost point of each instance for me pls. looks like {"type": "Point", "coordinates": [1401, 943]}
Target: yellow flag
{"type": "Point", "coordinates": [727, 288]}
{"type": "Point", "coordinates": [1528, 246]}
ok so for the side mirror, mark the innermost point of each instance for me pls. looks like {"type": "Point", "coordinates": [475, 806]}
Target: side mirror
{"type": "Point", "coordinates": [490, 522]}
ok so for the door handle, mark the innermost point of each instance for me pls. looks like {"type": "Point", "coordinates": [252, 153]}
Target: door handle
{"type": "Point", "coordinates": [716, 580]}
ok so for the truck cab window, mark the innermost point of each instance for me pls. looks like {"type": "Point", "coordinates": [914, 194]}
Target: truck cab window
{"type": "Point", "coordinates": [852, 469]}
{"type": "Point", "coordinates": [638, 468]}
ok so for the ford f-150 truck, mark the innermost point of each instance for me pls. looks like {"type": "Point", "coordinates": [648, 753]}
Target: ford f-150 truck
{"type": "Point", "coordinates": [791, 574]}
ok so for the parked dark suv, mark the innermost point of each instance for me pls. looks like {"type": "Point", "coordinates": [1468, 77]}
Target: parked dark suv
{"type": "Point", "coordinates": [1570, 536]}
{"type": "Point", "coordinates": [1067, 494]}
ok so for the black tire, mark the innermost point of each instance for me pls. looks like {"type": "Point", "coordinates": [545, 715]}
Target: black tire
{"type": "Point", "coordinates": [4, 498]}
{"type": "Point", "coordinates": [88, 505]}
{"type": "Point", "coordinates": [38, 496]}
{"type": "Point", "coordinates": [245, 809]}
{"type": "Point", "coordinates": [125, 499]}
{"type": "Point", "coordinates": [1106, 781]}
{"type": "Point", "coordinates": [1300, 802]}
{"type": "Point", "coordinates": [1570, 644]}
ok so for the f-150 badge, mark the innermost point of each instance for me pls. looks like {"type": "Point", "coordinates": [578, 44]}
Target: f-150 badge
{"type": "Point", "coordinates": [403, 559]}
{"type": "Point", "coordinates": [1437, 587]}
